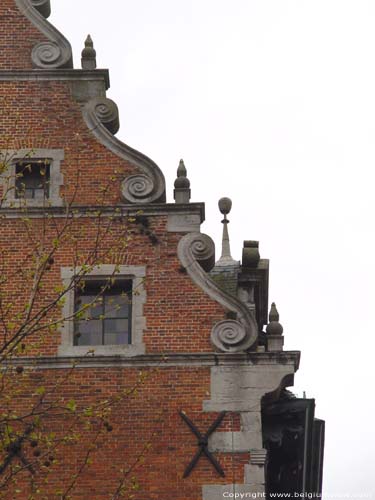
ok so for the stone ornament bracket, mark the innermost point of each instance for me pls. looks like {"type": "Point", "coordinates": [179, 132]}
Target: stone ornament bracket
{"type": "Point", "coordinates": [102, 118]}
{"type": "Point", "coordinates": [55, 52]}
{"type": "Point", "coordinates": [196, 252]}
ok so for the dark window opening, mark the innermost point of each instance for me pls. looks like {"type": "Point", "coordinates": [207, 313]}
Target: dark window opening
{"type": "Point", "coordinates": [32, 180]}
{"type": "Point", "coordinates": [103, 313]}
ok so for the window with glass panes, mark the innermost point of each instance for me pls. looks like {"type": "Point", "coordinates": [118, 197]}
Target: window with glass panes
{"type": "Point", "coordinates": [103, 313]}
{"type": "Point", "coordinates": [32, 180]}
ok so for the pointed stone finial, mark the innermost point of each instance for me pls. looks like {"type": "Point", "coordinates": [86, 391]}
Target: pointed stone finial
{"type": "Point", "coordinates": [274, 314]}
{"type": "Point", "coordinates": [225, 206]}
{"type": "Point", "coordinates": [275, 339]}
{"type": "Point", "coordinates": [182, 185]}
{"type": "Point", "coordinates": [88, 57]}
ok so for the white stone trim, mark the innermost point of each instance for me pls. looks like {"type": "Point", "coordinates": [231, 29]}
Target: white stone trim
{"type": "Point", "coordinates": [8, 178]}
{"type": "Point", "coordinates": [160, 360]}
{"type": "Point", "coordinates": [233, 442]}
{"type": "Point", "coordinates": [240, 388]}
{"type": "Point", "coordinates": [183, 223]}
{"type": "Point", "coordinates": [135, 273]}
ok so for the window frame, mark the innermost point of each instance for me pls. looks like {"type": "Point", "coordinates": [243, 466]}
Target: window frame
{"type": "Point", "coordinates": [53, 157]}
{"type": "Point", "coordinates": [135, 274]}
{"type": "Point", "coordinates": [22, 178]}
{"type": "Point", "coordinates": [121, 286]}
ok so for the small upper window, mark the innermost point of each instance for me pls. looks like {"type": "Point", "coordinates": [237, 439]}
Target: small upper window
{"type": "Point", "coordinates": [103, 313]}
{"type": "Point", "coordinates": [32, 180]}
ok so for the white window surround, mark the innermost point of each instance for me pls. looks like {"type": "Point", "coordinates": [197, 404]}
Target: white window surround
{"type": "Point", "coordinates": [135, 273]}
{"type": "Point", "coordinates": [8, 178]}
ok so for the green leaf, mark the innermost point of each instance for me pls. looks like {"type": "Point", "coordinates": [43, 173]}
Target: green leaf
{"type": "Point", "coordinates": [72, 405]}
{"type": "Point", "coordinates": [88, 412]}
{"type": "Point", "coordinates": [40, 391]}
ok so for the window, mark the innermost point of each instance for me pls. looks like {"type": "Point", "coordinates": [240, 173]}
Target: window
{"type": "Point", "coordinates": [32, 177]}
{"type": "Point", "coordinates": [103, 313]}
{"type": "Point", "coordinates": [32, 180]}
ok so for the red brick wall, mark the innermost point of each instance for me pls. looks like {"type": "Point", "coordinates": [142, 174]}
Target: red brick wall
{"type": "Point", "coordinates": [179, 315]}
{"type": "Point", "coordinates": [150, 416]}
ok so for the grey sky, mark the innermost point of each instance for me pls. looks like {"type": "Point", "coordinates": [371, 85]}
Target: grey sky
{"type": "Point", "coordinates": [272, 103]}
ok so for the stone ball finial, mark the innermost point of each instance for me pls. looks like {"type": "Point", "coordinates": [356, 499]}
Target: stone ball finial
{"type": "Point", "coordinates": [225, 205]}
{"type": "Point", "coordinates": [88, 56]}
{"type": "Point", "coordinates": [274, 327]}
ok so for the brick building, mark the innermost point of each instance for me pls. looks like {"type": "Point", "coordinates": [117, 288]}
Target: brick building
{"type": "Point", "coordinates": [134, 363]}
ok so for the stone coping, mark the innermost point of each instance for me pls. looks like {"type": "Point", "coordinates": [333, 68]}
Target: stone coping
{"type": "Point", "coordinates": [129, 210]}
{"type": "Point", "coordinates": [163, 360]}
{"type": "Point", "coordinates": [55, 74]}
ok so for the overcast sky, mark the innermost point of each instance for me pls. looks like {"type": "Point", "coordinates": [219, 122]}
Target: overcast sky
{"type": "Point", "coordinates": [272, 103]}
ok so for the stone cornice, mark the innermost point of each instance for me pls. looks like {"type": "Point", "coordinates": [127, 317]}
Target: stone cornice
{"type": "Point", "coordinates": [163, 360]}
{"type": "Point", "coordinates": [55, 74]}
{"type": "Point", "coordinates": [125, 210]}
{"type": "Point", "coordinates": [55, 52]}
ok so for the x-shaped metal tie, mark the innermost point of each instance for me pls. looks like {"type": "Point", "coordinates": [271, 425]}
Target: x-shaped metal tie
{"type": "Point", "coordinates": [203, 443]}
{"type": "Point", "coordinates": [16, 451]}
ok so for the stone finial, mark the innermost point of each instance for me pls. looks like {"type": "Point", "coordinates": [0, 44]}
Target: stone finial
{"type": "Point", "coordinates": [274, 313]}
{"type": "Point", "coordinates": [225, 206]}
{"type": "Point", "coordinates": [88, 57]}
{"type": "Point", "coordinates": [274, 327]}
{"type": "Point", "coordinates": [182, 185]}
{"type": "Point", "coordinates": [275, 339]}
{"type": "Point", "coordinates": [42, 6]}
{"type": "Point", "coordinates": [250, 254]}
